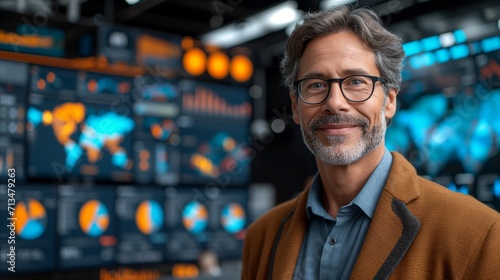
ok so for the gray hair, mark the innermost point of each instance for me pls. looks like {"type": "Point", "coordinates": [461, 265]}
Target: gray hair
{"type": "Point", "coordinates": [363, 22]}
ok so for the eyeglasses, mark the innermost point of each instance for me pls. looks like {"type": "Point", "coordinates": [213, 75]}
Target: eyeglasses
{"type": "Point", "coordinates": [355, 88]}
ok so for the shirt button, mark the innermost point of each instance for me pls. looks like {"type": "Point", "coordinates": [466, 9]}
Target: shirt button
{"type": "Point", "coordinates": [332, 241]}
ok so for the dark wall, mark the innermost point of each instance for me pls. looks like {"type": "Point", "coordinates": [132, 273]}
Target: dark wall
{"type": "Point", "coordinates": [282, 158]}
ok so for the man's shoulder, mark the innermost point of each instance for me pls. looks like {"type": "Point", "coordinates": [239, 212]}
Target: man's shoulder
{"type": "Point", "coordinates": [454, 204]}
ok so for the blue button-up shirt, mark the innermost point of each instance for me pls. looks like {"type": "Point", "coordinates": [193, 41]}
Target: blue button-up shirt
{"type": "Point", "coordinates": [331, 246]}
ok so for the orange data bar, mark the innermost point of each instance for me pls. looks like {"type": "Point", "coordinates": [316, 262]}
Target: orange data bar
{"type": "Point", "coordinates": [92, 64]}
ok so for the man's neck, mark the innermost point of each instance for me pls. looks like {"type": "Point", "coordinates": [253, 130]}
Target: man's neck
{"type": "Point", "coordinates": [343, 182]}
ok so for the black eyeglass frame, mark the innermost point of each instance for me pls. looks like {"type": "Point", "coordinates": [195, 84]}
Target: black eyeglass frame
{"type": "Point", "coordinates": [374, 79]}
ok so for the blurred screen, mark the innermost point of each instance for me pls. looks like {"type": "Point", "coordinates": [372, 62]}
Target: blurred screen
{"type": "Point", "coordinates": [447, 121]}
{"type": "Point", "coordinates": [86, 226]}
{"type": "Point", "coordinates": [74, 139]}
{"type": "Point", "coordinates": [157, 140]}
{"type": "Point", "coordinates": [141, 221]}
{"type": "Point", "coordinates": [228, 216]}
{"type": "Point", "coordinates": [13, 87]}
{"type": "Point", "coordinates": [34, 218]}
{"type": "Point", "coordinates": [215, 133]}
{"type": "Point", "coordinates": [186, 219]}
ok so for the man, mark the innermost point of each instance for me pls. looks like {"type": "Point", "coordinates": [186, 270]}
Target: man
{"type": "Point", "coordinates": [366, 214]}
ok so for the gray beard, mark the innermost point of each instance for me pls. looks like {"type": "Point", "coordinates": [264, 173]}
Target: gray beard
{"type": "Point", "coordinates": [333, 154]}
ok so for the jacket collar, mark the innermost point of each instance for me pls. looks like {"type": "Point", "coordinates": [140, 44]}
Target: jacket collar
{"type": "Point", "coordinates": [393, 227]}
{"type": "Point", "coordinates": [289, 240]}
{"type": "Point", "coordinates": [391, 232]}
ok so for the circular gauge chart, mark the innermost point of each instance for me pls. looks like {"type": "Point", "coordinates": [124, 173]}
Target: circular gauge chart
{"type": "Point", "coordinates": [31, 219]}
{"type": "Point", "coordinates": [233, 217]}
{"type": "Point", "coordinates": [162, 129]}
{"type": "Point", "coordinates": [149, 217]}
{"type": "Point", "coordinates": [195, 217]}
{"type": "Point", "coordinates": [94, 218]}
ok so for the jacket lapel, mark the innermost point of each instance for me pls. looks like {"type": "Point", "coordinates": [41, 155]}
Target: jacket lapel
{"type": "Point", "coordinates": [391, 233]}
{"type": "Point", "coordinates": [393, 227]}
{"type": "Point", "coordinates": [289, 241]}
{"type": "Point", "coordinates": [389, 237]}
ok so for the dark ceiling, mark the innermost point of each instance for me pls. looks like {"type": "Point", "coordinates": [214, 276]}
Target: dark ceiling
{"type": "Point", "coordinates": [197, 17]}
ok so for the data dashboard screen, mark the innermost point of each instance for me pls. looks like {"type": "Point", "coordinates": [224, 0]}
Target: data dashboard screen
{"type": "Point", "coordinates": [29, 236]}
{"type": "Point", "coordinates": [142, 234]}
{"type": "Point", "coordinates": [86, 223]}
{"type": "Point", "coordinates": [186, 218]}
{"type": "Point", "coordinates": [214, 133]}
{"type": "Point", "coordinates": [13, 87]}
{"type": "Point", "coordinates": [228, 219]}
{"type": "Point", "coordinates": [447, 123]}
{"type": "Point", "coordinates": [74, 139]}
{"type": "Point", "coordinates": [157, 140]}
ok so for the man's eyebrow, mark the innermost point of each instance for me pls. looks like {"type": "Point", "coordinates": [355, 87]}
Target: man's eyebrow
{"type": "Point", "coordinates": [355, 71]}
{"type": "Point", "coordinates": [314, 75]}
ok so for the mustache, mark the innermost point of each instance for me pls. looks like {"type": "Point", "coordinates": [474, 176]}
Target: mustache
{"type": "Point", "coordinates": [318, 122]}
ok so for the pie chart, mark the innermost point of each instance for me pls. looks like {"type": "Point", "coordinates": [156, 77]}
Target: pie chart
{"type": "Point", "coordinates": [149, 217]}
{"type": "Point", "coordinates": [195, 217]}
{"type": "Point", "coordinates": [94, 218]}
{"type": "Point", "coordinates": [31, 219]}
{"type": "Point", "coordinates": [233, 217]}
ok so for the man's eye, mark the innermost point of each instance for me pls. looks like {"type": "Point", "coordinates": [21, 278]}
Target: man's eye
{"type": "Point", "coordinates": [317, 85]}
{"type": "Point", "coordinates": [355, 81]}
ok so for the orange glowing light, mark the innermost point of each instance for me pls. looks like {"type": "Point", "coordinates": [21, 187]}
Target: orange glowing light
{"type": "Point", "coordinates": [144, 166]}
{"type": "Point", "coordinates": [123, 87]}
{"type": "Point", "coordinates": [47, 117]}
{"type": "Point", "coordinates": [92, 86]}
{"type": "Point", "coordinates": [229, 144]}
{"type": "Point", "coordinates": [156, 131]}
{"type": "Point", "coordinates": [40, 84]}
{"type": "Point", "coordinates": [194, 61]}
{"type": "Point", "coordinates": [218, 65]}
{"type": "Point", "coordinates": [241, 68]}
{"type": "Point", "coordinates": [144, 154]}
{"type": "Point", "coordinates": [204, 164]}
{"type": "Point", "coordinates": [51, 77]}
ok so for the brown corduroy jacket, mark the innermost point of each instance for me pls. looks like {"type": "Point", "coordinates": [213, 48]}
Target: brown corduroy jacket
{"type": "Point", "coordinates": [419, 230]}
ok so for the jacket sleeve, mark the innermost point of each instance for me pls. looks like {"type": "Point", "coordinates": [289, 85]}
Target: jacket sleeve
{"type": "Point", "coordinates": [486, 264]}
{"type": "Point", "coordinates": [245, 271]}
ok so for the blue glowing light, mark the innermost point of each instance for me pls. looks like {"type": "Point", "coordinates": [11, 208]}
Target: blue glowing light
{"type": "Point", "coordinates": [431, 43]}
{"type": "Point", "coordinates": [491, 44]}
{"type": "Point", "coordinates": [119, 159]}
{"type": "Point", "coordinates": [461, 189]}
{"type": "Point", "coordinates": [412, 48]}
{"type": "Point", "coordinates": [460, 36]}
{"type": "Point", "coordinates": [428, 59]}
{"type": "Point", "coordinates": [34, 116]}
{"type": "Point", "coordinates": [481, 141]}
{"type": "Point", "coordinates": [423, 60]}
{"type": "Point", "coordinates": [459, 51]}
{"type": "Point", "coordinates": [442, 55]}
{"type": "Point", "coordinates": [496, 187]}
{"type": "Point", "coordinates": [415, 62]}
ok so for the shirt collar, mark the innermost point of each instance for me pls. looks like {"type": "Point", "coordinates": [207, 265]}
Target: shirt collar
{"type": "Point", "coordinates": [366, 199]}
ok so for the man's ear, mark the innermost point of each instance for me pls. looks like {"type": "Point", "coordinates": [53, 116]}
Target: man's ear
{"type": "Point", "coordinates": [294, 97]}
{"type": "Point", "coordinates": [390, 104]}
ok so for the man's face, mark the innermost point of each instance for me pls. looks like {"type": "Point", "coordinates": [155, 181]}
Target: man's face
{"type": "Point", "coordinates": [337, 131]}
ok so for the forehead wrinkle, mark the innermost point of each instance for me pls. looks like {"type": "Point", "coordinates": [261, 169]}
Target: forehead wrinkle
{"type": "Point", "coordinates": [329, 56]}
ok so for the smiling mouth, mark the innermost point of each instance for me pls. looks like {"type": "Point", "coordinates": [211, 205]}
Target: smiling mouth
{"type": "Point", "coordinates": [337, 129]}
